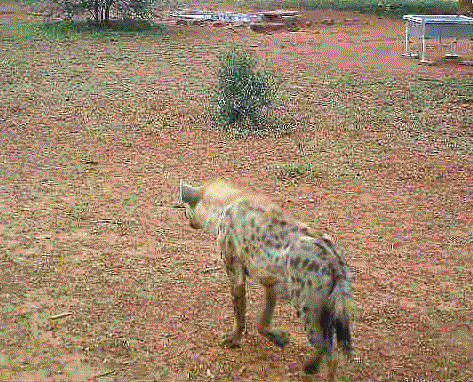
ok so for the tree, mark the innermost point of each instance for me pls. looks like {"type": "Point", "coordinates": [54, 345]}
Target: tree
{"type": "Point", "coordinates": [100, 9]}
{"type": "Point", "coordinates": [465, 7]}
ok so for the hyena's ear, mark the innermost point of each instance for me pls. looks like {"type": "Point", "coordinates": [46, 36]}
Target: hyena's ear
{"type": "Point", "coordinates": [188, 194]}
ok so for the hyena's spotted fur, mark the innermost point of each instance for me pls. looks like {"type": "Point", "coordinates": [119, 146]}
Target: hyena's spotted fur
{"type": "Point", "coordinates": [257, 239]}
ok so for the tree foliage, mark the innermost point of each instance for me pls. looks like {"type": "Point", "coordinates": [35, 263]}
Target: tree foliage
{"type": "Point", "coordinates": [99, 11]}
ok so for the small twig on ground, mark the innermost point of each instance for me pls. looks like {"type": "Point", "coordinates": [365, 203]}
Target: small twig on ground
{"type": "Point", "coordinates": [105, 221]}
{"type": "Point", "coordinates": [60, 315]}
{"type": "Point", "coordinates": [429, 79]}
{"type": "Point", "coordinates": [207, 270]}
{"type": "Point", "coordinates": [104, 374]}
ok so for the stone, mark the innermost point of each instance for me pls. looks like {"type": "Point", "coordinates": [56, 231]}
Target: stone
{"type": "Point", "coordinates": [266, 27]}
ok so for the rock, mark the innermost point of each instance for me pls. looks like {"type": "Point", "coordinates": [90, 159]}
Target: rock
{"type": "Point", "coordinates": [219, 24]}
{"type": "Point", "coordinates": [266, 27]}
{"type": "Point", "coordinates": [328, 21]}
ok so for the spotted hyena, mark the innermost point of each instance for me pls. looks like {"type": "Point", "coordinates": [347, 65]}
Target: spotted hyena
{"type": "Point", "coordinates": [257, 239]}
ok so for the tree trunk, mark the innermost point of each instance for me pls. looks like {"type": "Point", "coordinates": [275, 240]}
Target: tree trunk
{"type": "Point", "coordinates": [107, 14]}
{"type": "Point", "coordinates": [96, 11]}
{"type": "Point", "coordinates": [465, 7]}
{"type": "Point", "coordinates": [108, 5]}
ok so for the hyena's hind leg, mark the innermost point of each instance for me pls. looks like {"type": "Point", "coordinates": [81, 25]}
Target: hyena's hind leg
{"type": "Point", "coordinates": [320, 331]}
{"type": "Point", "coordinates": [237, 278]}
{"type": "Point", "coordinates": [315, 336]}
{"type": "Point", "coordinates": [277, 337]}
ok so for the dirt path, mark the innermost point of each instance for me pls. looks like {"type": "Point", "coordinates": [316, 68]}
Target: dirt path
{"type": "Point", "coordinates": [103, 280]}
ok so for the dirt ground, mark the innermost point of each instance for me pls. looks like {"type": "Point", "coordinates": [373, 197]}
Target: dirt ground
{"type": "Point", "coordinates": [101, 278]}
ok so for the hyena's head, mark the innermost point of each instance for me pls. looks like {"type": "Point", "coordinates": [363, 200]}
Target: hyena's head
{"type": "Point", "coordinates": [190, 196]}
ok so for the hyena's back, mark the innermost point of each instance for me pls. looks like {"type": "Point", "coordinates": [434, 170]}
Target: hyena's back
{"type": "Point", "coordinates": [278, 250]}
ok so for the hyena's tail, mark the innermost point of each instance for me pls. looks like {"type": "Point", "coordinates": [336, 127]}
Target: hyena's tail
{"type": "Point", "coordinates": [340, 299]}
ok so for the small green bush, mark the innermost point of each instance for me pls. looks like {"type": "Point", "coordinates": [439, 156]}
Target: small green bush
{"type": "Point", "coordinates": [244, 94]}
{"type": "Point", "coordinates": [58, 28]}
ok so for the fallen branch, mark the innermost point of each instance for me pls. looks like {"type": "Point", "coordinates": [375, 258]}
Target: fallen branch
{"type": "Point", "coordinates": [60, 315]}
{"type": "Point", "coordinates": [104, 374]}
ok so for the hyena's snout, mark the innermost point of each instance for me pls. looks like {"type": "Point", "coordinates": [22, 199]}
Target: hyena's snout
{"type": "Point", "coordinates": [189, 197]}
{"type": "Point", "coordinates": [194, 223]}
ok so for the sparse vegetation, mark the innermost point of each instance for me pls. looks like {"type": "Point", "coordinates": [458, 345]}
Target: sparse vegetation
{"type": "Point", "coordinates": [441, 90]}
{"type": "Point", "coordinates": [421, 105]}
{"type": "Point", "coordinates": [394, 8]}
{"type": "Point", "coordinates": [120, 27]}
{"type": "Point", "coordinates": [297, 169]}
{"type": "Point", "coordinates": [244, 94]}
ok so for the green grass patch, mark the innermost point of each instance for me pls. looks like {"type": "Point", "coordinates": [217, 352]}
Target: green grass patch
{"type": "Point", "coordinates": [112, 28]}
{"type": "Point", "coordinates": [83, 29]}
{"type": "Point", "coordinates": [394, 8]}
{"type": "Point", "coordinates": [22, 29]}
{"type": "Point", "coordinates": [437, 109]}
{"type": "Point", "coordinates": [297, 169]}
{"type": "Point", "coordinates": [435, 90]}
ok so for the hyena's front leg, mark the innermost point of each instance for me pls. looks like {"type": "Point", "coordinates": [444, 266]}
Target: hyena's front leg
{"type": "Point", "coordinates": [277, 337]}
{"type": "Point", "coordinates": [238, 291]}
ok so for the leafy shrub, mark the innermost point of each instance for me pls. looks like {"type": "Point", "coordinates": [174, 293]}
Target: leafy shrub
{"type": "Point", "coordinates": [244, 94]}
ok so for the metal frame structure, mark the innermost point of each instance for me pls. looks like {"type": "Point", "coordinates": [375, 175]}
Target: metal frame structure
{"type": "Point", "coordinates": [436, 26]}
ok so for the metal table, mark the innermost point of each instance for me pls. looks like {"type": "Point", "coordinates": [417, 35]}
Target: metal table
{"type": "Point", "coordinates": [436, 26]}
